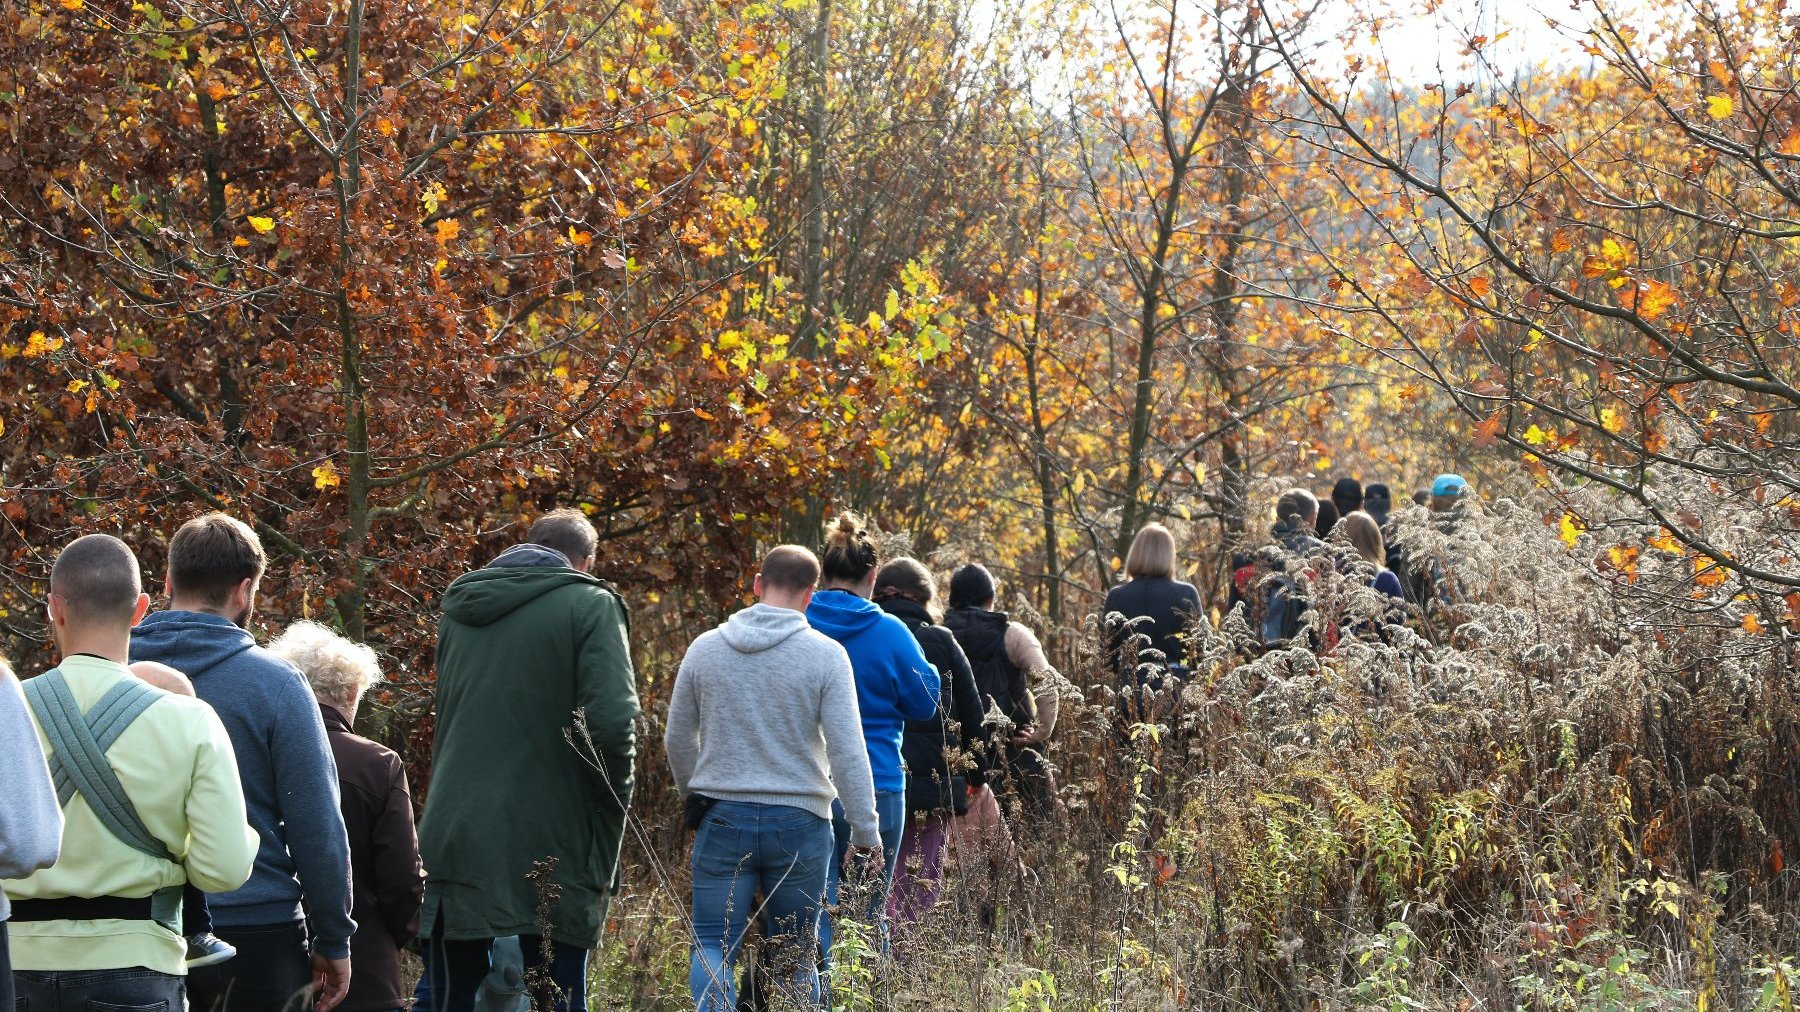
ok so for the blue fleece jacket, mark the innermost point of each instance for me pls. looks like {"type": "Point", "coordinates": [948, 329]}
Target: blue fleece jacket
{"type": "Point", "coordinates": [284, 760]}
{"type": "Point", "coordinates": [894, 681]}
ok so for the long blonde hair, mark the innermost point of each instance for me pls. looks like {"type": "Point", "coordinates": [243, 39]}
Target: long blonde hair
{"type": "Point", "coordinates": [1365, 536]}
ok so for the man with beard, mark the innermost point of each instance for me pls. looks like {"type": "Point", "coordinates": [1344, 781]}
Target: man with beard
{"type": "Point", "coordinates": [302, 876]}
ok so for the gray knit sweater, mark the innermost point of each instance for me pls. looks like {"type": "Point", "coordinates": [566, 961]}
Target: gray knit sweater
{"type": "Point", "coordinates": [31, 821]}
{"type": "Point", "coordinates": [764, 710]}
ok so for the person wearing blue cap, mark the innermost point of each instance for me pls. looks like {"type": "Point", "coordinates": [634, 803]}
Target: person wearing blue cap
{"type": "Point", "coordinates": [1446, 490]}
{"type": "Point", "coordinates": [1430, 580]}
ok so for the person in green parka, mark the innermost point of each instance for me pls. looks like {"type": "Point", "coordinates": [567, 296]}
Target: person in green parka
{"type": "Point", "coordinates": [523, 646]}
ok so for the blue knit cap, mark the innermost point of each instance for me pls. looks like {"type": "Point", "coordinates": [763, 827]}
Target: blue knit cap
{"type": "Point", "coordinates": [1449, 484]}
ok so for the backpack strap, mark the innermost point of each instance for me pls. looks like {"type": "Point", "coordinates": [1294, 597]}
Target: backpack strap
{"type": "Point", "coordinates": [80, 757]}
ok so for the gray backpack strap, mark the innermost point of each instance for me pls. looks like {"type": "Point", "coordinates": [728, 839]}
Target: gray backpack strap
{"type": "Point", "coordinates": [75, 747]}
{"type": "Point", "coordinates": [108, 719]}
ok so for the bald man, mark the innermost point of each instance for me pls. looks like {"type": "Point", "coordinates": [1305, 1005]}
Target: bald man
{"type": "Point", "coordinates": [150, 797]}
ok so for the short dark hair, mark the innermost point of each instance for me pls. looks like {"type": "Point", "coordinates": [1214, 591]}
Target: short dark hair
{"type": "Point", "coordinates": [790, 568]}
{"type": "Point", "coordinates": [905, 577]}
{"type": "Point", "coordinates": [850, 553]}
{"type": "Point", "coordinates": [568, 531]}
{"type": "Point", "coordinates": [213, 553]}
{"type": "Point", "coordinates": [972, 586]}
{"type": "Point", "coordinates": [97, 580]}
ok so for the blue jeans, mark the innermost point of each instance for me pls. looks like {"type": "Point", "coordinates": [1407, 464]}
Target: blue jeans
{"type": "Point", "coordinates": [890, 815]}
{"type": "Point", "coordinates": [133, 990]}
{"type": "Point", "coordinates": [739, 849]}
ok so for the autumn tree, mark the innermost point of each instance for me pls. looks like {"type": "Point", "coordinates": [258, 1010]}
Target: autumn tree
{"type": "Point", "coordinates": [1595, 267]}
{"type": "Point", "coordinates": [386, 278]}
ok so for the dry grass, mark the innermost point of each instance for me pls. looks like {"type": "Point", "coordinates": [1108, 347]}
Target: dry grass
{"type": "Point", "coordinates": [1562, 792]}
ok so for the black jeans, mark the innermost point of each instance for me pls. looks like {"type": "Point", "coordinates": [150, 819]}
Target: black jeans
{"type": "Point", "coordinates": [270, 973]}
{"type": "Point", "coordinates": [6, 982]}
{"type": "Point", "coordinates": [133, 990]}
{"type": "Point", "coordinates": [458, 967]}
{"type": "Point", "coordinates": [196, 918]}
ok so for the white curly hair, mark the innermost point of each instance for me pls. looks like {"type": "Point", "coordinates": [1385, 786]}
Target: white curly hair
{"type": "Point", "coordinates": [339, 670]}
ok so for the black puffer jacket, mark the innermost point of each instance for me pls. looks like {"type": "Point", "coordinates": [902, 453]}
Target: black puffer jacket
{"type": "Point", "coordinates": [928, 744]}
{"type": "Point", "coordinates": [1165, 610]}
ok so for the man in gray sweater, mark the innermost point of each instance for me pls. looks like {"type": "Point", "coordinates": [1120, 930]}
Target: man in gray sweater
{"type": "Point", "coordinates": [762, 724]}
{"type": "Point", "coordinates": [31, 820]}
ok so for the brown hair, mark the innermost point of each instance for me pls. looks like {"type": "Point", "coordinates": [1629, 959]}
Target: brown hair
{"type": "Point", "coordinates": [1365, 536]}
{"type": "Point", "coordinates": [1152, 555]}
{"type": "Point", "coordinates": [568, 531]}
{"type": "Point", "coordinates": [97, 580]}
{"type": "Point", "coordinates": [908, 578]}
{"type": "Point", "coordinates": [790, 568]}
{"type": "Point", "coordinates": [850, 554]}
{"type": "Point", "coordinates": [213, 553]}
{"type": "Point", "coordinates": [1297, 505]}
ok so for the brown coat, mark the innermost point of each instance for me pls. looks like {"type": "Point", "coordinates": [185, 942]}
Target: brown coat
{"type": "Point", "coordinates": [389, 881]}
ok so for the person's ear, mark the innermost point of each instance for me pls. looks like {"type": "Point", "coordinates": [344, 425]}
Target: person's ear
{"type": "Point", "coordinates": [143, 608]}
{"type": "Point", "coordinates": [244, 594]}
{"type": "Point", "coordinates": [53, 608]}
{"type": "Point", "coordinates": [756, 586]}
{"type": "Point", "coordinates": [806, 598]}
{"type": "Point", "coordinates": [169, 587]}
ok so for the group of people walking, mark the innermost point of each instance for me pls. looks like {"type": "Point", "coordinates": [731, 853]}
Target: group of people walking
{"type": "Point", "coordinates": [830, 733]}
{"type": "Point", "coordinates": [196, 802]}
{"type": "Point", "coordinates": [191, 821]}
{"type": "Point", "coordinates": [190, 817]}
{"type": "Point", "coordinates": [1150, 615]}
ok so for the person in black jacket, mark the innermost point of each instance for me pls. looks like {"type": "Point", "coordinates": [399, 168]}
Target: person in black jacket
{"type": "Point", "coordinates": [1148, 642]}
{"type": "Point", "coordinates": [1007, 659]}
{"type": "Point", "coordinates": [944, 756]}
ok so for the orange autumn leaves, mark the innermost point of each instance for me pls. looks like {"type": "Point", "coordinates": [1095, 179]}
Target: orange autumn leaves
{"type": "Point", "coordinates": [1613, 263]}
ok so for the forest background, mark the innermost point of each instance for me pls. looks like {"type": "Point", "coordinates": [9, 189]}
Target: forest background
{"type": "Point", "coordinates": [388, 278]}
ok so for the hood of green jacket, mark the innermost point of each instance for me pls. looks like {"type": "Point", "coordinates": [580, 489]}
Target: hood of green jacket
{"type": "Point", "coordinates": [488, 595]}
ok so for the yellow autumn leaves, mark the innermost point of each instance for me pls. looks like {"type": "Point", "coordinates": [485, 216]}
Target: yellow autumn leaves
{"type": "Point", "coordinates": [1647, 297]}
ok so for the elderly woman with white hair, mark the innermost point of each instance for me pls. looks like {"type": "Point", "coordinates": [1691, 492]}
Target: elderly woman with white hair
{"type": "Point", "coordinates": [389, 881]}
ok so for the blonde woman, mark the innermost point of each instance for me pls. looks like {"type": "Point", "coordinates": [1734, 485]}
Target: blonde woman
{"type": "Point", "coordinates": [1157, 608]}
{"type": "Point", "coordinates": [389, 881]}
{"type": "Point", "coordinates": [1365, 536]}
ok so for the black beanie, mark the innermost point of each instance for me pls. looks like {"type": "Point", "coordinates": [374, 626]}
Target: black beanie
{"type": "Point", "coordinates": [972, 586]}
{"type": "Point", "coordinates": [1347, 490]}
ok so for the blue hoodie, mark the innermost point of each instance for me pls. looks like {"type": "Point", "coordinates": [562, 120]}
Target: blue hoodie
{"type": "Point", "coordinates": [284, 760]}
{"type": "Point", "coordinates": [894, 681]}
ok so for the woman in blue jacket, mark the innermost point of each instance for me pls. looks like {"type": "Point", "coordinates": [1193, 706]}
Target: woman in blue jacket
{"type": "Point", "coordinates": [894, 684]}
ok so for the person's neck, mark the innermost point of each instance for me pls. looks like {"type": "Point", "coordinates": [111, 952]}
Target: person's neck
{"type": "Point", "coordinates": [847, 588]}
{"type": "Point", "coordinates": [198, 607]}
{"type": "Point", "coordinates": [106, 644]}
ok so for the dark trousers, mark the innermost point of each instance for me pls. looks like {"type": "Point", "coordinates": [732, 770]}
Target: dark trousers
{"type": "Point", "coordinates": [458, 967]}
{"type": "Point", "coordinates": [133, 990]}
{"type": "Point", "coordinates": [6, 984]}
{"type": "Point", "coordinates": [271, 972]}
{"type": "Point", "coordinates": [196, 919]}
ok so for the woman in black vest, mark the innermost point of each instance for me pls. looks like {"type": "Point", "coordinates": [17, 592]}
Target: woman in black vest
{"type": "Point", "coordinates": [1004, 656]}
{"type": "Point", "coordinates": [940, 775]}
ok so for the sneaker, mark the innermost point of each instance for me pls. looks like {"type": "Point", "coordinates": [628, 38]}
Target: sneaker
{"type": "Point", "coordinates": [206, 949]}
